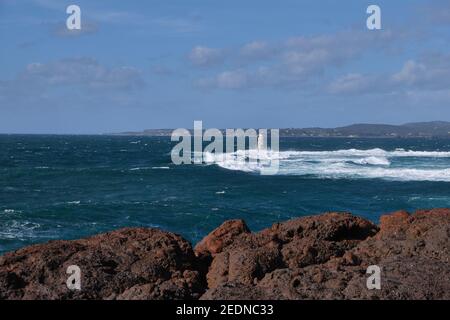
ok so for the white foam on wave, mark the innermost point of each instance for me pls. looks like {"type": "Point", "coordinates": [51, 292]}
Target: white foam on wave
{"type": "Point", "coordinates": [241, 160]}
{"type": "Point", "coordinates": [398, 174]}
{"type": "Point", "coordinates": [11, 211]}
{"type": "Point", "coordinates": [149, 168]}
{"type": "Point", "coordinates": [376, 152]}
{"type": "Point", "coordinates": [139, 168]}
{"type": "Point", "coordinates": [382, 161]}
{"type": "Point", "coordinates": [14, 229]}
{"type": "Point", "coordinates": [342, 164]}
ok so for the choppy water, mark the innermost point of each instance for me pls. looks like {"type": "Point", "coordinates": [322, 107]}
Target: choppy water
{"type": "Point", "coordinates": [65, 187]}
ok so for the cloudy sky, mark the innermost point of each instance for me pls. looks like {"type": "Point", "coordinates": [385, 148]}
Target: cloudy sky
{"type": "Point", "coordinates": [253, 63]}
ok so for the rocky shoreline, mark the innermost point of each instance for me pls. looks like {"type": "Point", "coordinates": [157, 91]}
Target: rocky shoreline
{"type": "Point", "coordinates": [317, 257]}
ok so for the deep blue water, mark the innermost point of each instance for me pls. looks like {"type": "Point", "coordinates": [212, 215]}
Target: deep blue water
{"type": "Point", "coordinates": [65, 187]}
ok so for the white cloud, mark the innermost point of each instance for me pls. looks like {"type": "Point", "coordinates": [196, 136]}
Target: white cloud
{"type": "Point", "coordinates": [410, 73]}
{"type": "Point", "coordinates": [352, 83]}
{"type": "Point", "coordinates": [85, 72]}
{"type": "Point", "coordinates": [429, 73]}
{"type": "Point", "coordinates": [204, 56]}
{"type": "Point", "coordinates": [232, 80]}
{"type": "Point", "coordinates": [257, 50]}
{"type": "Point", "coordinates": [39, 80]}
{"type": "Point", "coordinates": [295, 61]}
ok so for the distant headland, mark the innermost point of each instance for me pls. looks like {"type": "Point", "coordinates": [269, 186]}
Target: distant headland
{"type": "Point", "coordinates": [362, 130]}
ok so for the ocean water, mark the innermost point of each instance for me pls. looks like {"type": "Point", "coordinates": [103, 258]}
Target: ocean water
{"type": "Point", "coordinates": [66, 187]}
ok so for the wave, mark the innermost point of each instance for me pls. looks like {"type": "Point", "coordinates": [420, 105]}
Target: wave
{"type": "Point", "coordinates": [149, 168]}
{"type": "Point", "coordinates": [377, 152]}
{"type": "Point", "coordinates": [382, 161]}
{"type": "Point", "coordinates": [15, 229]}
{"type": "Point", "coordinates": [11, 211]}
{"type": "Point", "coordinates": [139, 168]}
{"type": "Point", "coordinates": [343, 164]}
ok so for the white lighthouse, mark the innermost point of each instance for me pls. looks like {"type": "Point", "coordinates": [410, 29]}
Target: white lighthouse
{"type": "Point", "coordinates": [262, 140]}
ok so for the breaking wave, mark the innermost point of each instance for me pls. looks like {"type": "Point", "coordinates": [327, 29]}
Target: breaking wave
{"type": "Point", "coordinates": [399, 164]}
{"type": "Point", "coordinates": [15, 229]}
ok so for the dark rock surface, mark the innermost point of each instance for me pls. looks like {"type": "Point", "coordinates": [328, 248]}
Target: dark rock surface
{"type": "Point", "coordinates": [326, 257]}
{"type": "Point", "coordinates": [132, 263]}
{"type": "Point", "coordinates": [317, 257]}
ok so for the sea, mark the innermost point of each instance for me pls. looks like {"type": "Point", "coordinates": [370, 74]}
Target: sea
{"type": "Point", "coordinates": [67, 187]}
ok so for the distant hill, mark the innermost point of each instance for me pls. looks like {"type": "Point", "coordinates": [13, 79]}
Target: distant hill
{"type": "Point", "coordinates": [363, 130]}
{"type": "Point", "coordinates": [419, 129]}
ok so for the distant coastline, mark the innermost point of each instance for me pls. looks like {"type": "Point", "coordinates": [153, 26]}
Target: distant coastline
{"type": "Point", "coordinates": [432, 129]}
{"type": "Point", "coordinates": [438, 129]}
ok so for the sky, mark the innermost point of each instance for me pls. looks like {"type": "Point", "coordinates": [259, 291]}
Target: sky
{"type": "Point", "coordinates": [136, 65]}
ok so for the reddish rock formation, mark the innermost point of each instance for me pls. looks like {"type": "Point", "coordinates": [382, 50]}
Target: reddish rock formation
{"type": "Point", "coordinates": [317, 257]}
{"type": "Point", "coordinates": [326, 257]}
{"type": "Point", "coordinates": [290, 246]}
{"type": "Point", "coordinates": [221, 237]}
{"type": "Point", "coordinates": [129, 263]}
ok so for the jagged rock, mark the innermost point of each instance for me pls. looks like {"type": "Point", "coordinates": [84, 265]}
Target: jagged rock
{"type": "Point", "coordinates": [292, 244]}
{"type": "Point", "coordinates": [221, 237]}
{"type": "Point", "coordinates": [317, 257]}
{"type": "Point", "coordinates": [326, 257]}
{"type": "Point", "coordinates": [129, 263]}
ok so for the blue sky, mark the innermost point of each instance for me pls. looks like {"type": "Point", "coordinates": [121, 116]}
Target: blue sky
{"type": "Point", "coordinates": [273, 64]}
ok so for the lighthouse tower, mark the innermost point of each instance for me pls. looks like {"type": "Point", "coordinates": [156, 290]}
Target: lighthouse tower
{"type": "Point", "coordinates": [262, 140]}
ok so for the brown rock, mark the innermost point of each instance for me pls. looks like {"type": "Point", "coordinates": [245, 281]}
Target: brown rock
{"type": "Point", "coordinates": [317, 257]}
{"type": "Point", "coordinates": [394, 223]}
{"type": "Point", "coordinates": [293, 244]}
{"type": "Point", "coordinates": [221, 237]}
{"type": "Point", "coordinates": [129, 263]}
{"type": "Point", "coordinates": [326, 257]}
